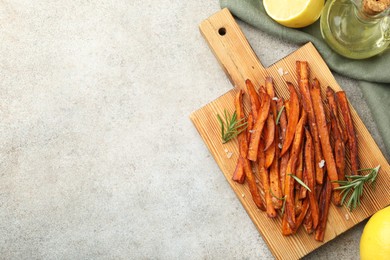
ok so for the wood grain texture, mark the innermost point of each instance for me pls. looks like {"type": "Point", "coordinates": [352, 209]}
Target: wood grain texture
{"type": "Point", "coordinates": [240, 63]}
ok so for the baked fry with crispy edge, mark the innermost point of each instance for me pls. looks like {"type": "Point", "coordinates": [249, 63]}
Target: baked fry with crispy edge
{"type": "Point", "coordinates": [304, 89]}
{"type": "Point", "coordinates": [264, 175]}
{"type": "Point", "coordinates": [243, 150]}
{"type": "Point", "coordinates": [289, 182]}
{"type": "Point", "coordinates": [319, 112]}
{"type": "Point", "coordinates": [293, 117]}
{"type": "Point", "coordinates": [258, 126]}
{"type": "Point", "coordinates": [283, 128]}
{"type": "Point", "coordinates": [338, 146]}
{"type": "Point", "coordinates": [352, 140]}
{"type": "Point", "coordinates": [311, 182]}
{"type": "Point", "coordinates": [324, 204]}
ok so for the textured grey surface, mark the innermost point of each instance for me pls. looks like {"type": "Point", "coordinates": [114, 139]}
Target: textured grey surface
{"type": "Point", "coordinates": [98, 158]}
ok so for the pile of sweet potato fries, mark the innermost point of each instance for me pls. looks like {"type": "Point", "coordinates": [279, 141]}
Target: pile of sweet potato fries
{"type": "Point", "coordinates": [296, 153]}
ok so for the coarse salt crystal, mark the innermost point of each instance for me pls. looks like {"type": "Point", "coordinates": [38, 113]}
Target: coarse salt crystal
{"type": "Point", "coordinates": [251, 131]}
{"type": "Point", "coordinates": [346, 216]}
{"type": "Point", "coordinates": [243, 195]}
{"type": "Point", "coordinates": [226, 150]}
{"type": "Point", "coordinates": [321, 164]}
{"type": "Point", "coordinates": [280, 71]}
{"type": "Point", "coordinates": [286, 72]}
{"type": "Point", "coordinates": [280, 145]}
{"type": "Point", "coordinates": [275, 98]}
{"type": "Point", "coordinates": [229, 155]}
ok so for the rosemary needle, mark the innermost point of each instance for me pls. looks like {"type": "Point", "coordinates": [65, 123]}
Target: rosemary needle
{"type": "Point", "coordinates": [231, 126]}
{"type": "Point", "coordinates": [299, 181]}
{"type": "Point", "coordinates": [354, 186]}
{"type": "Point", "coordinates": [279, 114]}
{"type": "Point", "coordinates": [282, 198]}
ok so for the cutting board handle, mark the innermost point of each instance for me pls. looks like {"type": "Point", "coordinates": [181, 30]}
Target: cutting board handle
{"type": "Point", "coordinates": [231, 48]}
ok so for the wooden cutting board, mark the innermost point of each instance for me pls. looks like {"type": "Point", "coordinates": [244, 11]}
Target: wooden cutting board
{"type": "Point", "coordinates": [239, 62]}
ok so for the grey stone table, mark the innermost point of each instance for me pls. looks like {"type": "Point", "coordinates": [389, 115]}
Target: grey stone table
{"type": "Point", "coordinates": [99, 159]}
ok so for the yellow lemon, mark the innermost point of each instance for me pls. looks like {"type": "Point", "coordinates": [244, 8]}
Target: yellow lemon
{"type": "Point", "coordinates": [294, 13]}
{"type": "Point", "coordinates": [375, 240]}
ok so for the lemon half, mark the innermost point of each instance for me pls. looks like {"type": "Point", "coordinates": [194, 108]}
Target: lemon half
{"type": "Point", "coordinates": [294, 13]}
{"type": "Point", "coordinates": [375, 240]}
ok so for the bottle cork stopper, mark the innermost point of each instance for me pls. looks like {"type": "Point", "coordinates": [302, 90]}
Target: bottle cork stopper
{"type": "Point", "coordinates": [373, 7]}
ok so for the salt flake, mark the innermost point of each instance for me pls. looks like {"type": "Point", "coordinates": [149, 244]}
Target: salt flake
{"type": "Point", "coordinates": [280, 71]}
{"type": "Point", "coordinates": [321, 164]}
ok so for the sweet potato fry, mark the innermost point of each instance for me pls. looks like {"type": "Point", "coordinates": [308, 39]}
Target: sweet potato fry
{"type": "Point", "coordinates": [308, 222]}
{"type": "Point", "coordinates": [250, 177]}
{"type": "Point", "coordinates": [309, 169]}
{"type": "Point", "coordinates": [291, 166]}
{"type": "Point", "coordinates": [249, 126]}
{"type": "Point", "coordinates": [283, 169]}
{"type": "Point", "coordinates": [303, 191]}
{"type": "Point", "coordinates": [352, 140]}
{"type": "Point", "coordinates": [325, 142]}
{"type": "Point", "coordinates": [301, 216]}
{"type": "Point", "coordinates": [303, 84]}
{"type": "Point", "coordinates": [293, 118]}
{"type": "Point", "coordinates": [297, 204]}
{"type": "Point", "coordinates": [254, 98]}
{"type": "Point", "coordinates": [264, 175]}
{"type": "Point", "coordinates": [286, 229]}
{"type": "Point", "coordinates": [338, 147]}
{"type": "Point", "coordinates": [274, 177]}
{"type": "Point", "coordinates": [270, 155]}
{"type": "Point", "coordinates": [239, 174]}
{"type": "Point", "coordinates": [338, 132]}
{"type": "Point", "coordinates": [299, 169]}
{"type": "Point", "coordinates": [269, 131]}
{"type": "Point", "coordinates": [284, 159]}
{"type": "Point", "coordinates": [324, 210]}
{"type": "Point", "coordinates": [270, 124]}
{"type": "Point", "coordinates": [339, 154]}
{"type": "Point", "coordinates": [287, 107]}
{"type": "Point", "coordinates": [258, 127]}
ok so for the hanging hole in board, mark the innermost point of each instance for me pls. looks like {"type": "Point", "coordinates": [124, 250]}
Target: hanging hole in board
{"type": "Point", "coordinates": [222, 31]}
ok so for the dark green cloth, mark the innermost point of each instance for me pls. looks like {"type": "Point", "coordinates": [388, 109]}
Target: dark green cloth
{"type": "Point", "coordinates": [373, 74]}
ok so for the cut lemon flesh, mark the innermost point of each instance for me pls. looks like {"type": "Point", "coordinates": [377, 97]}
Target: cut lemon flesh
{"type": "Point", "coordinates": [294, 13]}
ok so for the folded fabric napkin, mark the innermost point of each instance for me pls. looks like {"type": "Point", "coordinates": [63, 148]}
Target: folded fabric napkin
{"type": "Point", "coordinates": [373, 73]}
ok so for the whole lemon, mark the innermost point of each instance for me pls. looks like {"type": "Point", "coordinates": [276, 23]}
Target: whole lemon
{"type": "Point", "coordinates": [375, 240]}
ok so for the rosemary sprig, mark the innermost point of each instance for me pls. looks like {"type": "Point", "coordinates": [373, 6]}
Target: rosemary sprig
{"type": "Point", "coordinates": [282, 198]}
{"type": "Point", "coordinates": [299, 181]}
{"type": "Point", "coordinates": [231, 127]}
{"type": "Point", "coordinates": [279, 114]}
{"type": "Point", "coordinates": [354, 186]}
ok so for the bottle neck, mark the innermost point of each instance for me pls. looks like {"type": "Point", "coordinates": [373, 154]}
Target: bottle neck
{"type": "Point", "coordinates": [366, 13]}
